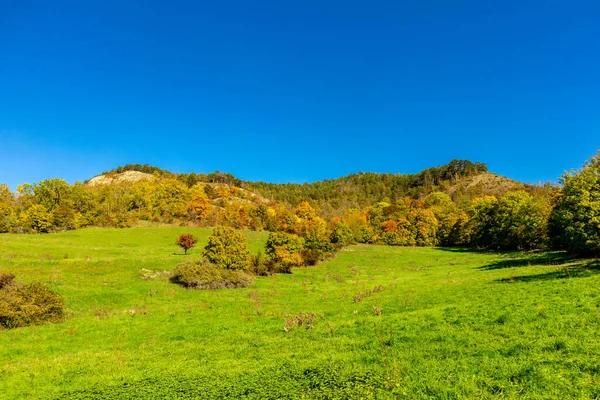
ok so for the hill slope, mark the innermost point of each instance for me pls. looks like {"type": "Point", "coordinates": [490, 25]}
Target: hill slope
{"type": "Point", "coordinates": [461, 179]}
{"type": "Point", "coordinates": [390, 322]}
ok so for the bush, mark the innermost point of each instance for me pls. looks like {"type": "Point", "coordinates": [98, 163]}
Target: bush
{"type": "Point", "coordinates": [284, 249]}
{"type": "Point", "coordinates": [227, 248]}
{"type": "Point", "coordinates": [27, 304]}
{"type": "Point", "coordinates": [204, 275]}
{"type": "Point", "coordinates": [342, 235]}
{"type": "Point", "coordinates": [262, 266]}
{"type": "Point", "coordinates": [312, 257]}
{"type": "Point", "coordinates": [187, 241]}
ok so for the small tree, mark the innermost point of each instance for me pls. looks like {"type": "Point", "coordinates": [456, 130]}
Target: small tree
{"type": "Point", "coordinates": [187, 241]}
{"type": "Point", "coordinates": [342, 235]}
{"type": "Point", "coordinates": [227, 248]}
{"type": "Point", "coordinates": [285, 249]}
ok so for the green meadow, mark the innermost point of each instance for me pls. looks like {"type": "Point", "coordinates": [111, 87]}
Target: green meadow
{"type": "Point", "coordinates": [376, 322]}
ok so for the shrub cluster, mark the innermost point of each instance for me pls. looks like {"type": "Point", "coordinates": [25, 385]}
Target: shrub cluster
{"type": "Point", "coordinates": [285, 250]}
{"type": "Point", "coordinates": [202, 274]}
{"type": "Point", "coordinates": [27, 304]}
{"type": "Point", "coordinates": [226, 258]}
{"type": "Point", "coordinates": [227, 248]}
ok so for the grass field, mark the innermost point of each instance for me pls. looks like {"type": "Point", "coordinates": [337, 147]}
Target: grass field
{"type": "Point", "coordinates": [389, 323]}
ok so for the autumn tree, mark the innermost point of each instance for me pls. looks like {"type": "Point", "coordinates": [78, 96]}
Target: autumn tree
{"type": "Point", "coordinates": [6, 208]}
{"type": "Point", "coordinates": [38, 219]}
{"type": "Point", "coordinates": [187, 241]}
{"type": "Point", "coordinates": [199, 205]}
{"type": "Point", "coordinates": [284, 248]}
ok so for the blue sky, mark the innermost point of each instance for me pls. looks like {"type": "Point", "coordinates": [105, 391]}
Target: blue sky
{"type": "Point", "coordinates": [297, 90]}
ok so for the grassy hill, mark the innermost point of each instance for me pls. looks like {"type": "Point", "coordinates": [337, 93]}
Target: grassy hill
{"type": "Point", "coordinates": [388, 322]}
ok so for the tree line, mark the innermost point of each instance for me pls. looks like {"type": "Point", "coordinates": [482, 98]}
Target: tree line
{"type": "Point", "coordinates": [390, 209]}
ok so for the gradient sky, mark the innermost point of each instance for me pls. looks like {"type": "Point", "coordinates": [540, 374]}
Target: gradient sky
{"type": "Point", "coordinates": [297, 90]}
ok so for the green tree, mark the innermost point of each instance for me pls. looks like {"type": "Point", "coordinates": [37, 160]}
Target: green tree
{"type": "Point", "coordinates": [521, 221]}
{"type": "Point", "coordinates": [227, 248]}
{"type": "Point", "coordinates": [51, 192]}
{"type": "Point", "coordinates": [575, 220]}
{"type": "Point", "coordinates": [482, 219]}
{"type": "Point", "coordinates": [342, 235]}
{"type": "Point", "coordinates": [517, 220]}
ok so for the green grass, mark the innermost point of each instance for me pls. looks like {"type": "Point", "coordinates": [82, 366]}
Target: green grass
{"type": "Point", "coordinates": [453, 324]}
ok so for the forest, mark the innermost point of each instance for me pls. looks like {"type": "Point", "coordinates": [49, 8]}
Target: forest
{"type": "Point", "coordinates": [425, 209]}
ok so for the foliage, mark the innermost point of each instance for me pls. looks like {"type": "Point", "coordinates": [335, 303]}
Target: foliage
{"type": "Point", "coordinates": [27, 304]}
{"type": "Point", "coordinates": [202, 274]}
{"type": "Point", "coordinates": [285, 249]}
{"type": "Point", "coordinates": [187, 241]}
{"type": "Point", "coordinates": [228, 249]}
{"type": "Point", "coordinates": [454, 230]}
{"type": "Point", "coordinates": [290, 381]}
{"type": "Point", "coordinates": [342, 235]}
{"type": "Point", "coordinates": [482, 220]}
{"type": "Point", "coordinates": [365, 189]}
{"type": "Point", "coordinates": [515, 221]}
{"type": "Point", "coordinates": [199, 205]}
{"type": "Point", "coordinates": [521, 221]}
{"type": "Point", "coordinates": [392, 209]}
{"type": "Point", "coordinates": [38, 219]}
{"type": "Point", "coordinates": [575, 221]}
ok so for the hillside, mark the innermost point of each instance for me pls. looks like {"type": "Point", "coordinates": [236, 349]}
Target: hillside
{"type": "Point", "coordinates": [390, 322]}
{"type": "Point", "coordinates": [463, 180]}
{"type": "Point", "coordinates": [487, 183]}
{"type": "Point", "coordinates": [222, 192]}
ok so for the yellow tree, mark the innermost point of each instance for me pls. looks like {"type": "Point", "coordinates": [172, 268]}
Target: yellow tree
{"type": "Point", "coordinates": [199, 205]}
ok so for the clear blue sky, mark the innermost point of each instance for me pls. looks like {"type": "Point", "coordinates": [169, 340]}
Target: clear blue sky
{"type": "Point", "coordinates": [297, 90]}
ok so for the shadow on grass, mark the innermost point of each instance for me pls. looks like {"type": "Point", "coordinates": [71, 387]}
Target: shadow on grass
{"type": "Point", "coordinates": [563, 265]}
{"type": "Point", "coordinates": [517, 258]}
{"type": "Point", "coordinates": [531, 259]}
{"type": "Point", "coordinates": [477, 251]}
{"type": "Point", "coordinates": [578, 269]}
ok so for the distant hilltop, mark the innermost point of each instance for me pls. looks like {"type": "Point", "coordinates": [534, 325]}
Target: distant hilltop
{"type": "Point", "coordinates": [126, 176]}
{"type": "Point", "coordinates": [461, 179]}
